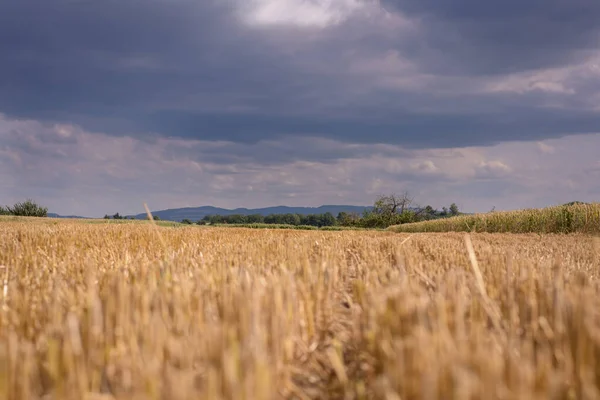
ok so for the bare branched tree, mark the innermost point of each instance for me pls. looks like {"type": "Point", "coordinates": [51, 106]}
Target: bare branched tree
{"type": "Point", "coordinates": [393, 203]}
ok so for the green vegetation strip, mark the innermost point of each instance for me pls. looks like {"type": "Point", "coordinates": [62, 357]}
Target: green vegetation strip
{"type": "Point", "coordinates": [287, 226]}
{"type": "Point", "coordinates": [576, 218]}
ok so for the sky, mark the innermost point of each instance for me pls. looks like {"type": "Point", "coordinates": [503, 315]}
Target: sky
{"type": "Point", "coordinates": [106, 105]}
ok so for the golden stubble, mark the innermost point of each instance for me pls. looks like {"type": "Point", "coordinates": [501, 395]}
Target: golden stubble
{"type": "Point", "coordinates": [135, 311]}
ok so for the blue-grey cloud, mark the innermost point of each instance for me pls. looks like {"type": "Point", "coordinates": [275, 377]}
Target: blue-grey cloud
{"type": "Point", "coordinates": [197, 70]}
{"type": "Point", "coordinates": [470, 36]}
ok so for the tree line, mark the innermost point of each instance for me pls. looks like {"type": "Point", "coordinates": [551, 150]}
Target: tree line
{"type": "Point", "coordinates": [119, 216]}
{"type": "Point", "coordinates": [400, 209]}
{"type": "Point", "coordinates": [318, 220]}
{"type": "Point", "coordinates": [387, 210]}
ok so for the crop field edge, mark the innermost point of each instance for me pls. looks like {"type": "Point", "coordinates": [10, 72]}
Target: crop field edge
{"type": "Point", "coordinates": [576, 218]}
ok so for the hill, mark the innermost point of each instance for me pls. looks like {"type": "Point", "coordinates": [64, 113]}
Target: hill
{"type": "Point", "coordinates": [54, 215]}
{"type": "Point", "coordinates": [197, 213]}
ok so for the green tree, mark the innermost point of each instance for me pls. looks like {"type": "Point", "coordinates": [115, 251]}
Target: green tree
{"type": "Point", "coordinates": [186, 221]}
{"type": "Point", "coordinates": [236, 219]}
{"type": "Point", "coordinates": [348, 219]}
{"type": "Point", "coordinates": [28, 209]}
{"type": "Point", "coordinates": [389, 210]}
{"type": "Point", "coordinates": [255, 219]}
{"type": "Point", "coordinates": [273, 219]}
{"type": "Point", "coordinates": [4, 211]}
{"type": "Point", "coordinates": [290, 219]}
{"type": "Point", "coordinates": [328, 219]}
{"type": "Point", "coordinates": [311, 219]}
{"type": "Point", "coordinates": [216, 219]}
{"type": "Point", "coordinates": [453, 209]}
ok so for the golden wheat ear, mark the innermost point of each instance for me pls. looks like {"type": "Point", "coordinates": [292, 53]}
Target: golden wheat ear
{"type": "Point", "coordinates": [162, 240]}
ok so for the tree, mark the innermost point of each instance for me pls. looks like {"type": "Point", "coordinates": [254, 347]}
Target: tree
{"type": "Point", "coordinates": [290, 219]}
{"type": "Point", "coordinates": [328, 219]}
{"type": "Point", "coordinates": [186, 221]}
{"type": "Point", "coordinates": [236, 219]}
{"type": "Point", "coordinates": [453, 209]}
{"type": "Point", "coordinates": [390, 210]}
{"type": "Point", "coordinates": [255, 219]}
{"type": "Point", "coordinates": [574, 203]}
{"type": "Point", "coordinates": [392, 204]}
{"type": "Point", "coordinates": [27, 209]}
{"type": "Point", "coordinates": [4, 211]}
{"type": "Point", "coordinates": [348, 219]}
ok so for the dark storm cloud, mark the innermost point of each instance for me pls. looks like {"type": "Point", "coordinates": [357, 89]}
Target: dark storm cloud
{"type": "Point", "coordinates": [108, 58]}
{"type": "Point", "coordinates": [192, 69]}
{"type": "Point", "coordinates": [403, 127]}
{"type": "Point", "coordinates": [271, 152]}
{"type": "Point", "coordinates": [487, 37]}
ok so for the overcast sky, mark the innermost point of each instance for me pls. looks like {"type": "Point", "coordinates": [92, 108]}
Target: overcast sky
{"type": "Point", "coordinates": [108, 104]}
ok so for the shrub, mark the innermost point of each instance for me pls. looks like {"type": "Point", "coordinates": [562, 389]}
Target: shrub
{"type": "Point", "coordinates": [27, 209]}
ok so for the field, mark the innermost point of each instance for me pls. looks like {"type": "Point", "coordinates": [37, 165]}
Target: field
{"type": "Point", "coordinates": [581, 218]}
{"type": "Point", "coordinates": [137, 311]}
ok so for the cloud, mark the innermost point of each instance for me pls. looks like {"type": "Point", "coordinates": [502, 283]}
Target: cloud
{"type": "Point", "coordinates": [426, 167]}
{"type": "Point", "coordinates": [357, 71]}
{"type": "Point", "coordinates": [95, 173]}
{"type": "Point", "coordinates": [492, 169]}
{"type": "Point", "coordinates": [309, 100]}
{"type": "Point", "coordinates": [545, 148]}
{"type": "Point", "coordinates": [474, 37]}
{"type": "Point", "coordinates": [300, 13]}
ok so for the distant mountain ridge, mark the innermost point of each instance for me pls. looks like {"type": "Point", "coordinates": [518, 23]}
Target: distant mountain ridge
{"type": "Point", "coordinates": [55, 215]}
{"type": "Point", "coordinates": [197, 213]}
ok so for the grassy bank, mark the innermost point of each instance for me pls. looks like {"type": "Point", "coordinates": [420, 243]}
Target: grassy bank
{"type": "Point", "coordinates": [91, 221]}
{"type": "Point", "coordinates": [581, 218]}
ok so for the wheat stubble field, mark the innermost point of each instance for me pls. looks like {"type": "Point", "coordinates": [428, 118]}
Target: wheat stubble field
{"type": "Point", "coordinates": [134, 311]}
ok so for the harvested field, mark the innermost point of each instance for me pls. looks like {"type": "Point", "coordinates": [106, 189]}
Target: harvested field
{"type": "Point", "coordinates": [134, 311]}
